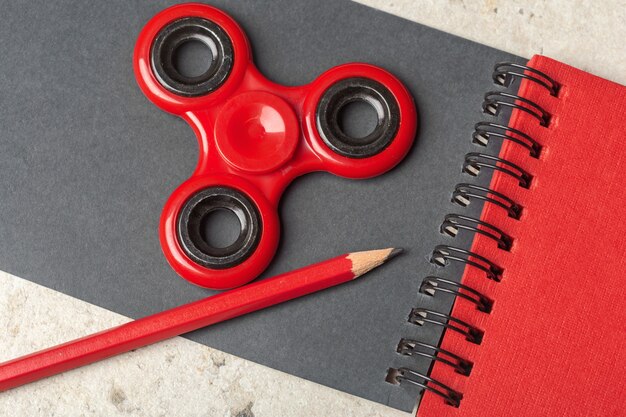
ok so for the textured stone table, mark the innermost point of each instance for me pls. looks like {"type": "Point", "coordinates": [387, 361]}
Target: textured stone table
{"type": "Point", "coordinates": [183, 378]}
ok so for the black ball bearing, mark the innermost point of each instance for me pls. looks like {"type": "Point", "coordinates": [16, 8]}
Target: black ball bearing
{"type": "Point", "coordinates": [350, 90]}
{"type": "Point", "coordinates": [175, 34]}
{"type": "Point", "coordinates": [190, 224]}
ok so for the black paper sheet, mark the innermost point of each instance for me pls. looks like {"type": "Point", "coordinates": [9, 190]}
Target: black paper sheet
{"type": "Point", "coordinates": [87, 163]}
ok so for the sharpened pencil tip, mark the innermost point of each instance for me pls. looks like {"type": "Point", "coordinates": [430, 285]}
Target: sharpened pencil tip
{"type": "Point", "coordinates": [363, 262]}
{"type": "Point", "coordinates": [394, 252]}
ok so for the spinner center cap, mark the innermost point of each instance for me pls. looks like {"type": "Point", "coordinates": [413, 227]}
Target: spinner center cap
{"type": "Point", "coordinates": [257, 131]}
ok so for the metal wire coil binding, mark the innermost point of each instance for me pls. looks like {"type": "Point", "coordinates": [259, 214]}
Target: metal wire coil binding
{"type": "Point", "coordinates": [421, 316]}
{"type": "Point", "coordinates": [410, 347]}
{"type": "Point", "coordinates": [475, 161]}
{"type": "Point", "coordinates": [431, 285]}
{"type": "Point", "coordinates": [484, 131]}
{"type": "Point", "coordinates": [453, 222]}
{"type": "Point", "coordinates": [464, 193]}
{"type": "Point", "coordinates": [442, 254]}
{"type": "Point", "coordinates": [496, 100]}
{"type": "Point", "coordinates": [505, 72]}
{"type": "Point", "coordinates": [398, 375]}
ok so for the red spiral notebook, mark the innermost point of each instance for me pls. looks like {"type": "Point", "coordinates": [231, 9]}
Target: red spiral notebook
{"type": "Point", "coordinates": [551, 337]}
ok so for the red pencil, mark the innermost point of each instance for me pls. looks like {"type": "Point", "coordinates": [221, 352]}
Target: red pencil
{"type": "Point", "coordinates": [190, 317]}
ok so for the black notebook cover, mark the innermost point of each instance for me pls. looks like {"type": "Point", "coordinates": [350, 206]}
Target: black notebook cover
{"type": "Point", "coordinates": [87, 164]}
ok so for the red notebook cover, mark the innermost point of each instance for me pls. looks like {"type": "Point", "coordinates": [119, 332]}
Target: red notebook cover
{"type": "Point", "coordinates": [554, 343]}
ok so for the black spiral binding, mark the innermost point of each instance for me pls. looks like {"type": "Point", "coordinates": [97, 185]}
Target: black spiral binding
{"type": "Point", "coordinates": [453, 222]}
{"type": "Point", "coordinates": [463, 195]}
{"type": "Point", "coordinates": [432, 284]}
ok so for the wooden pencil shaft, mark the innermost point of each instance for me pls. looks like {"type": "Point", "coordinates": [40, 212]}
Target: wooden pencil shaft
{"type": "Point", "coordinates": [175, 322]}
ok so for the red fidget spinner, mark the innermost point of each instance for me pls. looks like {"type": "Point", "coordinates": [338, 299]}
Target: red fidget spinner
{"type": "Point", "coordinates": [255, 137]}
